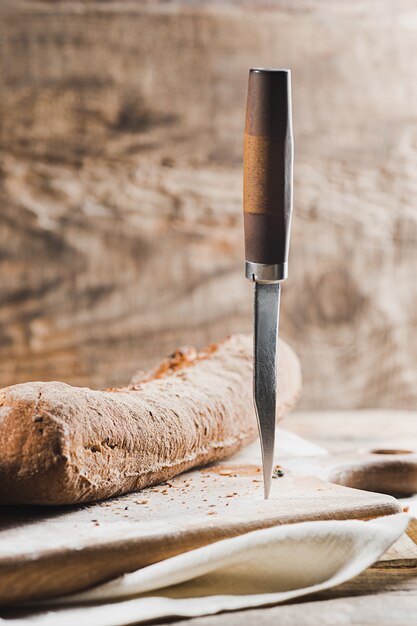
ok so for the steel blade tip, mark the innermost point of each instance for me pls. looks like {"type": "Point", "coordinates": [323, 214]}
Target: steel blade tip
{"type": "Point", "coordinates": [267, 447]}
{"type": "Point", "coordinates": [267, 484]}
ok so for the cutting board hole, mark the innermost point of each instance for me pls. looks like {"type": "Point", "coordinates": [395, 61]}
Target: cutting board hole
{"type": "Point", "coordinates": [390, 451]}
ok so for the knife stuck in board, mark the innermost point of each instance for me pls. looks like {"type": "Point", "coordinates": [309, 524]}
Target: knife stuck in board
{"type": "Point", "coordinates": [267, 207]}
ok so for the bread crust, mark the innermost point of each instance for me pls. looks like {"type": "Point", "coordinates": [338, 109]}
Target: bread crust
{"type": "Point", "coordinates": [64, 445]}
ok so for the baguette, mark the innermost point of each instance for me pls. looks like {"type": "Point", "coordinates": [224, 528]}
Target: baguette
{"type": "Point", "coordinates": [64, 445]}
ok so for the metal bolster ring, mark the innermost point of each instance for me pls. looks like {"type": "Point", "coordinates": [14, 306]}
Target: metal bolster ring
{"type": "Point", "coordinates": [263, 273]}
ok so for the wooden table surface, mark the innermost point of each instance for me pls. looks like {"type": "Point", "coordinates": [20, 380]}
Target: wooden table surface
{"type": "Point", "coordinates": [384, 594]}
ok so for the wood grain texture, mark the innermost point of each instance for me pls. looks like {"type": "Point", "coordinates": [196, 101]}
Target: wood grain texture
{"type": "Point", "coordinates": [121, 235]}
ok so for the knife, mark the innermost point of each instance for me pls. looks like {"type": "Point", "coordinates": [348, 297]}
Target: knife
{"type": "Point", "coordinates": [267, 208]}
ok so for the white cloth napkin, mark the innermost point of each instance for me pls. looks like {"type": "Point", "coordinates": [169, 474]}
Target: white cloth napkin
{"type": "Point", "coordinates": [260, 568]}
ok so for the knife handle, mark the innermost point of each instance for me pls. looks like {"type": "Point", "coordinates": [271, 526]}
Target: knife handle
{"type": "Point", "coordinates": [267, 177]}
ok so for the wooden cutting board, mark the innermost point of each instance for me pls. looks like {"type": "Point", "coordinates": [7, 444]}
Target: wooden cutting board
{"type": "Point", "coordinates": [45, 552]}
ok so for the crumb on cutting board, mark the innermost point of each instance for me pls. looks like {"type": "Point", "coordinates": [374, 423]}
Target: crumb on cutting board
{"type": "Point", "coordinates": [278, 472]}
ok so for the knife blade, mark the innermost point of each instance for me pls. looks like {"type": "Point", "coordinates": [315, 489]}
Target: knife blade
{"type": "Point", "coordinates": [267, 210]}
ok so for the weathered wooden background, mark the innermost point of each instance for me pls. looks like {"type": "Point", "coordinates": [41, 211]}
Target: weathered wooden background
{"type": "Point", "coordinates": [121, 146]}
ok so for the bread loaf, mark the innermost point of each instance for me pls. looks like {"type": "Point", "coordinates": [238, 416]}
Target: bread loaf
{"type": "Point", "coordinates": [63, 445]}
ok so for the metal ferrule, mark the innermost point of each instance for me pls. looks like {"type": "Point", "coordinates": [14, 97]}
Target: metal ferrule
{"type": "Point", "coordinates": [262, 273]}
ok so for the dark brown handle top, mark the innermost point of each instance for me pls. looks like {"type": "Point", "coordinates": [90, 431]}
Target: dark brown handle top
{"type": "Point", "coordinates": [268, 158]}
